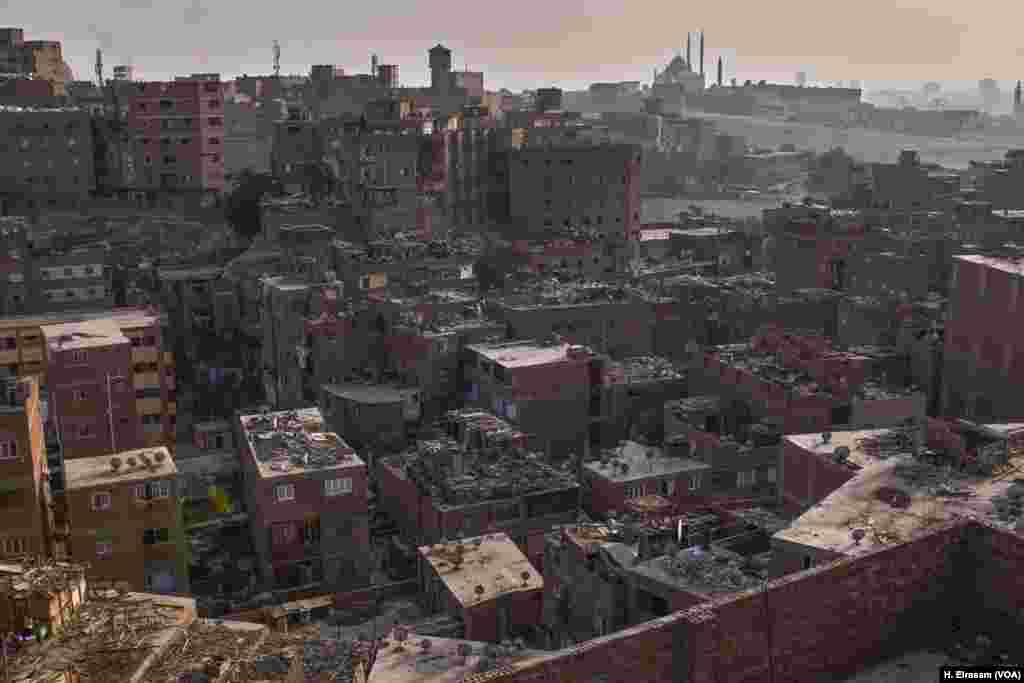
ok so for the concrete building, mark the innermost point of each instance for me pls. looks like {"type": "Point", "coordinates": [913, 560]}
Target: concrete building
{"type": "Point", "coordinates": [372, 417]}
{"type": "Point", "coordinates": [40, 59]}
{"type": "Point", "coordinates": [124, 520]}
{"type": "Point", "coordinates": [498, 599]}
{"type": "Point", "coordinates": [543, 389]}
{"type": "Point", "coordinates": [610, 318]}
{"type": "Point", "coordinates": [984, 354]}
{"type": "Point", "coordinates": [635, 470]}
{"type": "Point", "coordinates": [29, 520]}
{"type": "Point", "coordinates": [178, 137]}
{"type": "Point", "coordinates": [306, 496]}
{"type": "Point", "coordinates": [477, 478]}
{"type": "Point", "coordinates": [48, 160]}
{"type": "Point", "coordinates": [589, 186]}
{"type": "Point", "coordinates": [306, 290]}
{"type": "Point", "coordinates": [110, 386]}
{"type": "Point", "coordinates": [633, 395]}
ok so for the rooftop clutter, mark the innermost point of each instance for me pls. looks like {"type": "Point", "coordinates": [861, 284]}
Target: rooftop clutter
{"type": "Point", "coordinates": [710, 569]}
{"type": "Point", "coordinates": [293, 439]}
{"type": "Point", "coordinates": [645, 369]}
{"type": "Point", "coordinates": [555, 293]}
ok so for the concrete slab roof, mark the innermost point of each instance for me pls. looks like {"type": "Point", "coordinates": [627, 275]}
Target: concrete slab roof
{"type": "Point", "coordinates": [442, 661]}
{"type": "Point", "coordinates": [84, 473]}
{"type": "Point", "coordinates": [1007, 265]}
{"type": "Point", "coordinates": [371, 393]}
{"type": "Point", "coordinates": [636, 462]}
{"type": "Point", "coordinates": [521, 354]}
{"type": "Point", "coordinates": [893, 498]}
{"type": "Point", "coordinates": [292, 442]}
{"type": "Point", "coordinates": [89, 334]}
{"type": "Point", "coordinates": [491, 562]}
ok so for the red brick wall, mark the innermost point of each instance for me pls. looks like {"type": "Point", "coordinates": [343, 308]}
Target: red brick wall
{"type": "Point", "coordinates": [827, 621]}
{"type": "Point", "coordinates": [807, 478]}
{"type": "Point", "coordinates": [999, 576]}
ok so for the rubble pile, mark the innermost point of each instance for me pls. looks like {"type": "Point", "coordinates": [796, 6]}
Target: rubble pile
{"type": "Point", "coordinates": [714, 569]}
{"type": "Point", "coordinates": [206, 651]}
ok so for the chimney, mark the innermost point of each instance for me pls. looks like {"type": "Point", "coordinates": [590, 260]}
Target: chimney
{"type": "Point", "coordinates": [702, 54]}
{"type": "Point", "coordinates": [719, 72]}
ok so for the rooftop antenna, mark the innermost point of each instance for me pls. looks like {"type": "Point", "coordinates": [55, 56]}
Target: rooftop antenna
{"type": "Point", "coordinates": [99, 67]}
{"type": "Point", "coordinates": [277, 59]}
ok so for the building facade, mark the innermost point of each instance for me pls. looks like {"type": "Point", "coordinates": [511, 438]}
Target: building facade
{"type": "Point", "coordinates": [28, 515]}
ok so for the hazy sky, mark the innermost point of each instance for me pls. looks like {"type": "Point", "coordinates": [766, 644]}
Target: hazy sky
{"type": "Point", "coordinates": [529, 43]}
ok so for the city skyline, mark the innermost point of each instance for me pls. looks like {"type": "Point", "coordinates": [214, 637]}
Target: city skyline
{"type": "Point", "coordinates": [577, 43]}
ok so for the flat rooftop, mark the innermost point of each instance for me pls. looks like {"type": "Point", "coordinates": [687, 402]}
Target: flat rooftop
{"type": "Point", "coordinates": [293, 442]}
{"type": "Point", "coordinates": [149, 463]}
{"type": "Point", "coordinates": [1006, 265]}
{"type": "Point", "coordinates": [521, 354]}
{"type": "Point", "coordinates": [375, 394]}
{"type": "Point", "coordinates": [548, 294]}
{"type": "Point", "coordinates": [894, 496]}
{"type": "Point", "coordinates": [486, 568]}
{"type": "Point", "coordinates": [454, 476]}
{"type": "Point", "coordinates": [639, 369]}
{"type": "Point", "coordinates": [443, 660]}
{"type": "Point", "coordinates": [89, 334]}
{"type": "Point", "coordinates": [699, 571]}
{"type": "Point", "coordinates": [635, 462]}
{"type": "Point", "coordinates": [125, 318]}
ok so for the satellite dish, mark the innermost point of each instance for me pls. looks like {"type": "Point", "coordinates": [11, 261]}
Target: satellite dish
{"type": "Point", "coordinates": [842, 454]}
{"type": "Point", "coordinates": [858, 535]}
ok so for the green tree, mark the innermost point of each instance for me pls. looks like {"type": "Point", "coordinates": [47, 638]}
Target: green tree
{"type": "Point", "coordinates": [242, 208]}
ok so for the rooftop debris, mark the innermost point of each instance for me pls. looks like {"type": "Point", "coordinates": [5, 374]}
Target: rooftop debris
{"type": "Point", "coordinates": [293, 439]}
{"type": "Point", "coordinates": [1008, 509]}
{"type": "Point", "coordinates": [711, 569]}
{"type": "Point", "coordinates": [646, 369]}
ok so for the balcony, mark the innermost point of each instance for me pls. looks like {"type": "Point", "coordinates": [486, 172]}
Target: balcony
{"type": "Point", "coordinates": [141, 354]}
{"type": "Point", "coordinates": [149, 406]}
{"type": "Point", "coordinates": [146, 380]}
{"type": "Point", "coordinates": [32, 354]}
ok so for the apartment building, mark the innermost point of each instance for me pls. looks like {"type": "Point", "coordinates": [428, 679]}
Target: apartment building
{"type": "Point", "coordinates": [47, 158]}
{"type": "Point", "coordinates": [306, 495]}
{"type": "Point", "coordinates": [307, 290]}
{"type": "Point", "coordinates": [589, 186]}
{"type": "Point", "coordinates": [633, 471]}
{"type": "Point", "coordinates": [498, 599]}
{"type": "Point", "coordinates": [477, 478]}
{"type": "Point", "coordinates": [984, 351]}
{"type": "Point", "coordinates": [124, 520]}
{"type": "Point", "coordinates": [178, 136]}
{"type": "Point", "coordinates": [110, 386]}
{"type": "Point", "coordinates": [25, 497]}
{"type": "Point", "coordinates": [542, 388]}
{"type": "Point", "coordinates": [40, 59]}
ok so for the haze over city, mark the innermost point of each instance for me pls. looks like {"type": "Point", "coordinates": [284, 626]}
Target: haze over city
{"type": "Point", "coordinates": [510, 343]}
{"type": "Point", "coordinates": [532, 43]}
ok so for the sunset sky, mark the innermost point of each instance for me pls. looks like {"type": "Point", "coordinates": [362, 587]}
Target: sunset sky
{"type": "Point", "coordinates": [531, 43]}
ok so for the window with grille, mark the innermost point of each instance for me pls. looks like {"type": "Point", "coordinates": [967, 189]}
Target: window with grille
{"type": "Point", "coordinates": [337, 487]}
{"type": "Point", "coordinates": [154, 536]}
{"type": "Point", "coordinates": [104, 549]}
{"type": "Point", "coordinates": [284, 492]}
{"type": "Point", "coordinates": [102, 501]}
{"type": "Point", "coordinates": [8, 450]}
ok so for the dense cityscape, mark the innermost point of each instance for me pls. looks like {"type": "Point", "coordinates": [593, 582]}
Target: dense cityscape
{"type": "Point", "coordinates": [335, 377]}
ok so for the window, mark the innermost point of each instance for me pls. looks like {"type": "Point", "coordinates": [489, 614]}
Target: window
{"type": "Point", "coordinates": [102, 501]}
{"type": "Point", "coordinates": [8, 450]}
{"type": "Point", "coordinates": [808, 562]}
{"type": "Point", "coordinates": [9, 343]}
{"type": "Point", "coordinates": [104, 549]}
{"type": "Point", "coordinates": [666, 487]}
{"type": "Point", "coordinates": [214, 141]}
{"type": "Point", "coordinates": [153, 489]}
{"type": "Point", "coordinates": [694, 481]}
{"type": "Point", "coordinates": [284, 492]}
{"type": "Point", "coordinates": [14, 546]}
{"type": "Point", "coordinates": [283, 534]}
{"type": "Point", "coordinates": [149, 341]}
{"type": "Point", "coordinates": [634, 491]}
{"type": "Point", "coordinates": [745, 479]}
{"type": "Point", "coordinates": [78, 356]}
{"type": "Point", "coordinates": [154, 536]}
{"type": "Point", "coordinates": [79, 395]}
{"type": "Point", "coordinates": [216, 121]}
{"type": "Point", "coordinates": [84, 431]}
{"type": "Point", "coordinates": [337, 487]}
{"type": "Point", "coordinates": [214, 104]}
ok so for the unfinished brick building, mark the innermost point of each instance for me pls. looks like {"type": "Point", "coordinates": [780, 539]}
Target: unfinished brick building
{"type": "Point", "coordinates": [306, 495]}
{"type": "Point", "coordinates": [28, 514]}
{"type": "Point", "coordinates": [124, 519]}
{"type": "Point", "coordinates": [984, 360]}
{"type": "Point", "coordinates": [488, 582]}
{"type": "Point", "coordinates": [475, 479]}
